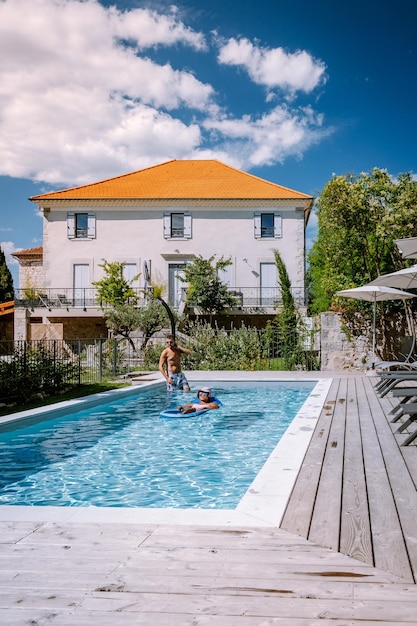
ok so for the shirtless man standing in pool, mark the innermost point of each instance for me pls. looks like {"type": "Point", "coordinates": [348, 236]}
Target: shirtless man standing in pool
{"type": "Point", "coordinates": [170, 365]}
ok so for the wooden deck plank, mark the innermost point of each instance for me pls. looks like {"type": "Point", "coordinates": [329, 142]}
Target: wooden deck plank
{"type": "Point", "coordinates": [325, 522]}
{"type": "Point", "coordinates": [371, 524]}
{"type": "Point", "coordinates": [409, 454]}
{"type": "Point", "coordinates": [402, 485]}
{"type": "Point", "coordinates": [299, 510]}
{"type": "Point", "coordinates": [388, 541]}
{"type": "Point", "coordinates": [355, 530]}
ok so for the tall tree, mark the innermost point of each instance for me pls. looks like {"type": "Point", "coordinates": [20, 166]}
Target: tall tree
{"type": "Point", "coordinates": [6, 280]}
{"type": "Point", "coordinates": [358, 220]}
{"type": "Point", "coordinates": [359, 217]}
{"type": "Point", "coordinates": [287, 320]}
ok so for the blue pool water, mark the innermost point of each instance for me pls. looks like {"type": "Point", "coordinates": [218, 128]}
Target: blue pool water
{"type": "Point", "coordinates": [122, 454]}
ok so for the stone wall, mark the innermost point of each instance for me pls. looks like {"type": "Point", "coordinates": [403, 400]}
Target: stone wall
{"type": "Point", "coordinates": [337, 352]}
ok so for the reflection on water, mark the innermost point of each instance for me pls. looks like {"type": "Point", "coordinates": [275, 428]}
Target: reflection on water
{"type": "Point", "coordinates": [123, 454]}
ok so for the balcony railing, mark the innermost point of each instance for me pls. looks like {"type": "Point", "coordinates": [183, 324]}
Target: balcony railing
{"type": "Point", "coordinates": [87, 298]}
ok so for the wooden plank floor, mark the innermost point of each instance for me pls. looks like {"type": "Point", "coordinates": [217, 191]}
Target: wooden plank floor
{"type": "Point", "coordinates": [356, 491]}
{"type": "Point", "coordinates": [345, 554]}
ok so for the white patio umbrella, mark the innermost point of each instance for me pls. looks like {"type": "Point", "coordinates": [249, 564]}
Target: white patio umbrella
{"type": "Point", "coordinates": [407, 247]}
{"type": "Point", "coordinates": [375, 293]}
{"type": "Point", "coordinates": [403, 279]}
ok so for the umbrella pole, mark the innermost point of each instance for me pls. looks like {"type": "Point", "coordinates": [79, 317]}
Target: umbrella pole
{"type": "Point", "coordinates": [373, 334]}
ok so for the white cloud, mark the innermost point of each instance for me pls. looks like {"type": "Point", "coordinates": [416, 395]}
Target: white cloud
{"type": "Point", "coordinates": [273, 136]}
{"type": "Point", "coordinates": [8, 248]}
{"type": "Point", "coordinates": [274, 67]}
{"type": "Point", "coordinates": [82, 99]}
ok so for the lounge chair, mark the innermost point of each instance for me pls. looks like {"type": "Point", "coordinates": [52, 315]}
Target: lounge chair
{"type": "Point", "coordinates": [410, 410]}
{"type": "Point", "coordinates": [63, 301]}
{"type": "Point", "coordinates": [44, 301]}
{"type": "Point", "coordinates": [404, 361]}
{"type": "Point", "coordinates": [407, 394]}
{"type": "Point", "coordinates": [389, 380]}
{"type": "Point", "coordinates": [395, 365]}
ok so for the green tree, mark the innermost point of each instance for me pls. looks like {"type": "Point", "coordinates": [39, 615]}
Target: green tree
{"type": "Point", "coordinates": [287, 320]}
{"type": "Point", "coordinates": [125, 319]}
{"type": "Point", "coordinates": [359, 217]}
{"type": "Point", "coordinates": [122, 320]}
{"type": "Point", "coordinates": [205, 290]}
{"type": "Point", "coordinates": [6, 280]}
{"type": "Point", "coordinates": [152, 318]}
{"type": "Point", "coordinates": [118, 299]}
{"type": "Point", "coordinates": [358, 220]}
{"type": "Point", "coordinates": [113, 289]}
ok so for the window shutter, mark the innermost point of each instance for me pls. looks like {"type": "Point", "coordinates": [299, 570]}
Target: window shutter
{"type": "Point", "coordinates": [167, 225]}
{"type": "Point", "coordinates": [257, 225]}
{"type": "Point", "coordinates": [92, 225]}
{"type": "Point", "coordinates": [187, 225]}
{"type": "Point", "coordinates": [70, 225]}
{"type": "Point", "coordinates": [277, 225]}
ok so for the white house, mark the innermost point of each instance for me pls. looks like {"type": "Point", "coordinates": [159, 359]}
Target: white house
{"type": "Point", "coordinates": [156, 220]}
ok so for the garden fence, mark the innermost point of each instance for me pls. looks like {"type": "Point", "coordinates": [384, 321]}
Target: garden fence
{"type": "Point", "coordinates": [30, 367]}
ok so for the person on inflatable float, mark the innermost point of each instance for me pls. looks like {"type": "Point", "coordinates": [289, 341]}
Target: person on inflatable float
{"type": "Point", "coordinates": [206, 401]}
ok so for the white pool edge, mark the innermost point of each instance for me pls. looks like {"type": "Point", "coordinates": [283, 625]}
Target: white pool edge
{"type": "Point", "coordinates": [265, 500]}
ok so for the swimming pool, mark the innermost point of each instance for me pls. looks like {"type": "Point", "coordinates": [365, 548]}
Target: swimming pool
{"type": "Point", "coordinates": [123, 455]}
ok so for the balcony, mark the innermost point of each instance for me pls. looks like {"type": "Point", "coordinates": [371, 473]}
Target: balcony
{"type": "Point", "coordinates": [256, 299]}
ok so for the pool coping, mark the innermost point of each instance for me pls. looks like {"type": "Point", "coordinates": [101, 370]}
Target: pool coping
{"type": "Point", "coordinates": [264, 501]}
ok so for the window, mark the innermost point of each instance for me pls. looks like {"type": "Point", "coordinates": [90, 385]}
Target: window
{"type": "Point", "coordinates": [268, 225]}
{"type": "Point", "coordinates": [177, 226]}
{"type": "Point", "coordinates": [81, 225]}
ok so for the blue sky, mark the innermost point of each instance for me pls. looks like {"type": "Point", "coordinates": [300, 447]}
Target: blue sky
{"type": "Point", "coordinates": [294, 92]}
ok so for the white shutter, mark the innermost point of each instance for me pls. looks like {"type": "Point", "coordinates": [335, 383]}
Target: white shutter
{"type": "Point", "coordinates": [257, 225]}
{"type": "Point", "coordinates": [70, 225]}
{"type": "Point", "coordinates": [167, 225]}
{"type": "Point", "coordinates": [187, 225]}
{"type": "Point", "coordinates": [277, 225]}
{"type": "Point", "coordinates": [130, 274]}
{"type": "Point", "coordinates": [91, 225]}
{"type": "Point", "coordinates": [226, 275]}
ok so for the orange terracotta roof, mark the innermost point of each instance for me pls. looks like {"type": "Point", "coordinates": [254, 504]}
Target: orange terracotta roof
{"type": "Point", "coordinates": [194, 179]}
{"type": "Point", "coordinates": [29, 252]}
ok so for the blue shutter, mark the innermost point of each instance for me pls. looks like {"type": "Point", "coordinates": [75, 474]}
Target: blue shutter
{"type": "Point", "coordinates": [277, 225]}
{"type": "Point", "coordinates": [187, 225]}
{"type": "Point", "coordinates": [91, 225]}
{"type": "Point", "coordinates": [257, 225]}
{"type": "Point", "coordinates": [70, 225]}
{"type": "Point", "coordinates": [167, 225]}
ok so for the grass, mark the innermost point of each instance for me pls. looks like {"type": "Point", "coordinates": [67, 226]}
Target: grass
{"type": "Point", "coordinates": [76, 392]}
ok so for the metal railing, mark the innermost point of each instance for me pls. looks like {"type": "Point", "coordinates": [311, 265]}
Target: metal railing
{"type": "Point", "coordinates": [84, 298]}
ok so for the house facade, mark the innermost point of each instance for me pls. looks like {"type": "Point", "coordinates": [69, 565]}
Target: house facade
{"type": "Point", "coordinates": [155, 221]}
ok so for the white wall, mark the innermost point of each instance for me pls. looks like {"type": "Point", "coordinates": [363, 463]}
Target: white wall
{"type": "Point", "coordinates": [134, 233]}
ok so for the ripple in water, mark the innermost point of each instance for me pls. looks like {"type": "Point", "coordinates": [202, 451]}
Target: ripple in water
{"type": "Point", "coordinates": [123, 454]}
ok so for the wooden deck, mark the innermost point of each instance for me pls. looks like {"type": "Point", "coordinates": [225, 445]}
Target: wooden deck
{"type": "Point", "coordinates": [356, 492]}
{"type": "Point", "coordinates": [345, 555]}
